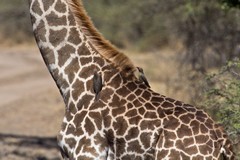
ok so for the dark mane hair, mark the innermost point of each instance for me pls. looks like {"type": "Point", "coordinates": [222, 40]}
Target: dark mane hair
{"type": "Point", "coordinates": [104, 47]}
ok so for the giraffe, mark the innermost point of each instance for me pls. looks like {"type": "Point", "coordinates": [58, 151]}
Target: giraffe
{"type": "Point", "coordinates": [128, 120]}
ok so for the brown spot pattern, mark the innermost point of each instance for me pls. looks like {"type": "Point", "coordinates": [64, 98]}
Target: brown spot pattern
{"type": "Point", "coordinates": [56, 37]}
{"type": "Point", "coordinates": [60, 7]}
{"type": "Point", "coordinates": [126, 107]}
{"type": "Point", "coordinates": [54, 20]}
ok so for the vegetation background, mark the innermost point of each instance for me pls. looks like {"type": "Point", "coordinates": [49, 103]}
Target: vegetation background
{"type": "Point", "coordinates": [189, 49]}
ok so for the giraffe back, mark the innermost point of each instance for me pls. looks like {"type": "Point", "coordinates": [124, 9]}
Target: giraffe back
{"type": "Point", "coordinates": [130, 121]}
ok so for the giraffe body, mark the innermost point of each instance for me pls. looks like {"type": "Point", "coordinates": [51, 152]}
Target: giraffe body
{"type": "Point", "coordinates": [129, 121]}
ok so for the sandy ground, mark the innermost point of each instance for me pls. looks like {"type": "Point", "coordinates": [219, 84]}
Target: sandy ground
{"type": "Point", "coordinates": [31, 109]}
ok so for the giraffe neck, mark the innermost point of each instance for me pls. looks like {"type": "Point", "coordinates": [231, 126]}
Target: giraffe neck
{"type": "Point", "coordinates": [68, 53]}
{"type": "Point", "coordinates": [130, 121]}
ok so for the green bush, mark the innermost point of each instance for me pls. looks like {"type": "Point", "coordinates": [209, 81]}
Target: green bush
{"type": "Point", "coordinates": [209, 34]}
{"type": "Point", "coordinates": [149, 25]}
{"type": "Point", "coordinates": [222, 96]}
{"type": "Point", "coordinates": [231, 3]}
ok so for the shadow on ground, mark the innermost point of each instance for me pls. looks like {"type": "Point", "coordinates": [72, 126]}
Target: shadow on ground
{"type": "Point", "coordinates": [18, 147]}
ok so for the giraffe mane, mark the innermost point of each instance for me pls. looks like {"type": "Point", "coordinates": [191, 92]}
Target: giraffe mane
{"type": "Point", "coordinates": [103, 46]}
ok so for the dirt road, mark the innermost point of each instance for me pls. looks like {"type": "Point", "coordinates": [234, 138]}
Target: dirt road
{"type": "Point", "coordinates": [31, 108]}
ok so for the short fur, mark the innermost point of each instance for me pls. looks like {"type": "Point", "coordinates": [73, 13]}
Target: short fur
{"type": "Point", "coordinates": [104, 47]}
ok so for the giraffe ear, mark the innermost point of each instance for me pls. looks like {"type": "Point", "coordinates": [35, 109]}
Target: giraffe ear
{"type": "Point", "coordinates": [103, 46]}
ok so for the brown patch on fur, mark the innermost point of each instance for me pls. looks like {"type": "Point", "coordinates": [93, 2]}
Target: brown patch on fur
{"type": "Point", "coordinates": [104, 47]}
